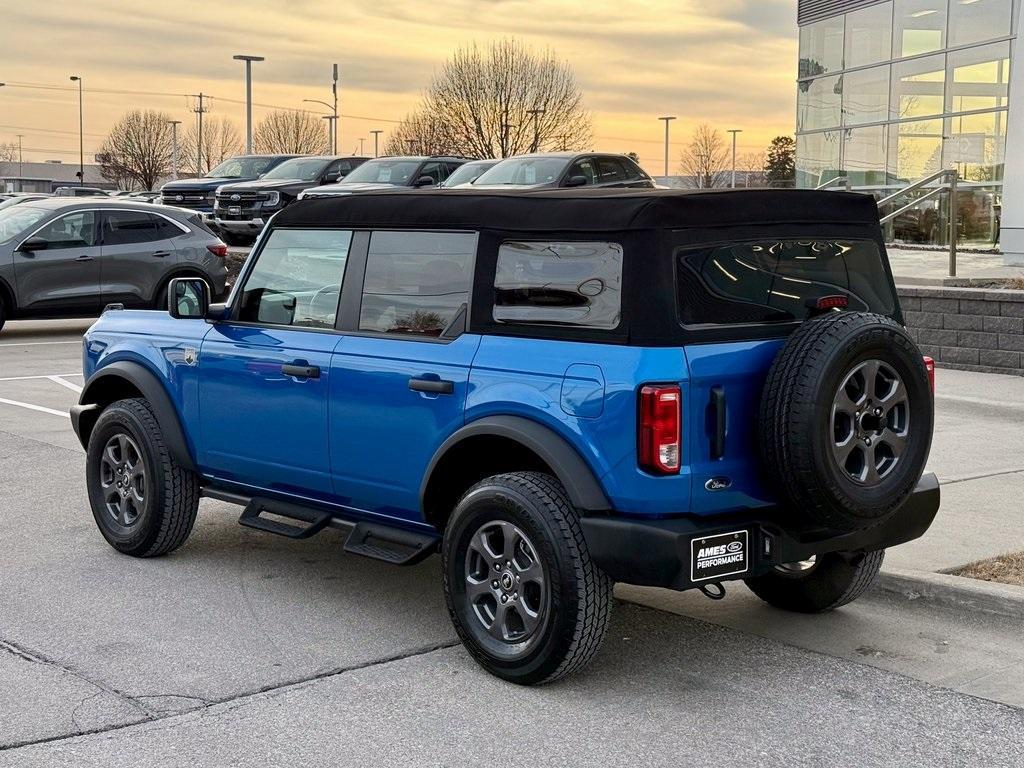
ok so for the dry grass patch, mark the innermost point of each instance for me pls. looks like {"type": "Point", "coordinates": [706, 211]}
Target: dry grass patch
{"type": "Point", "coordinates": [1007, 569]}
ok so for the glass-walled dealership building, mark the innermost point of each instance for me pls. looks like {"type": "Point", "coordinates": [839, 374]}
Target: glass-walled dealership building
{"type": "Point", "coordinates": [890, 92]}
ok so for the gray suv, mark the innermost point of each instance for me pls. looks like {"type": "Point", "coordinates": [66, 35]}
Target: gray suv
{"type": "Point", "coordinates": [68, 257]}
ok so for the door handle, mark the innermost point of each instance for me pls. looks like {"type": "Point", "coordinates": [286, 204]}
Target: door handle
{"type": "Point", "coordinates": [434, 386]}
{"type": "Point", "coordinates": [717, 413]}
{"type": "Point", "coordinates": [161, 254]}
{"type": "Point", "coordinates": [301, 371]}
{"type": "Point", "coordinates": [84, 257]}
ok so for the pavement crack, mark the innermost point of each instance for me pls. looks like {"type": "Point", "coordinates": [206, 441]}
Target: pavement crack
{"type": "Point", "coordinates": [226, 704]}
{"type": "Point", "coordinates": [982, 476]}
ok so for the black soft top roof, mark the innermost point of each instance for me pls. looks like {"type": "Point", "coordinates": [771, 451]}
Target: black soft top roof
{"type": "Point", "coordinates": [567, 210]}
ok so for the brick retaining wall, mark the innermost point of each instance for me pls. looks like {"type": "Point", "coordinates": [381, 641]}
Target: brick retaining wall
{"type": "Point", "coordinates": [975, 329]}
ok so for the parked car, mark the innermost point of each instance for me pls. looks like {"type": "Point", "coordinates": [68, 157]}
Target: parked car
{"type": "Point", "coordinates": [70, 257]}
{"type": "Point", "coordinates": [467, 173]}
{"type": "Point", "coordinates": [145, 196]}
{"type": "Point", "coordinates": [80, 192]}
{"type": "Point", "coordinates": [199, 193]}
{"type": "Point", "coordinates": [389, 172]}
{"type": "Point", "coordinates": [556, 391]}
{"type": "Point", "coordinates": [565, 169]}
{"type": "Point", "coordinates": [22, 197]}
{"type": "Point", "coordinates": [241, 209]}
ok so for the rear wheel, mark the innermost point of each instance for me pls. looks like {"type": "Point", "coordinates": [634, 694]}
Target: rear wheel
{"type": "Point", "coordinates": [143, 501]}
{"type": "Point", "coordinates": [823, 583]}
{"type": "Point", "coordinates": [522, 592]}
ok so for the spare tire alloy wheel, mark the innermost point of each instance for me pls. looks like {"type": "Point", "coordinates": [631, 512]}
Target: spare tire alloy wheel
{"type": "Point", "coordinates": [871, 422]}
{"type": "Point", "coordinates": [506, 589]}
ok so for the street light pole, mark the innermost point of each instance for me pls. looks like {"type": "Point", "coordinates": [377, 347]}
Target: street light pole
{"type": "Point", "coordinates": [734, 131]}
{"type": "Point", "coordinates": [361, 140]}
{"type": "Point", "coordinates": [81, 135]}
{"type": "Point", "coordinates": [667, 120]}
{"type": "Point", "coordinates": [376, 138]}
{"type": "Point", "coordinates": [174, 147]}
{"type": "Point", "coordinates": [330, 131]}
{"type": "Point", "coordinates": [334, 92]}
{"type": "Point", "coordinates": [248, 96]}
{"type": "Point", "coordinates": [536, 127]}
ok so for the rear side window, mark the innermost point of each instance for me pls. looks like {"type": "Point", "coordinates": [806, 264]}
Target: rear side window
{"type": "Point", "coordinates": [127, 227]}
{"type": "Point", "coordinates": [771, 281]}
{"type": "Point", "coordinates": [297, 278]}
{"type": "Point", "coordinates": [416, 282]}
{"type": "Point", "coordinates": [609, 170]}
{"type": "Point", "coordinates": [559, 283]}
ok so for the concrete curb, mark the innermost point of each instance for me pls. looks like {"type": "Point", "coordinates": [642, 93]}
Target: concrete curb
{"type": "Point", "coordinates": [953, 591]}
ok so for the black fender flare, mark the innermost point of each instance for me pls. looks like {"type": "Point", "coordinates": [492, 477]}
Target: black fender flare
{"type": "Point", "coordinates": [572, 471]}
{"type": "Point", "coordinates": [92, 400]}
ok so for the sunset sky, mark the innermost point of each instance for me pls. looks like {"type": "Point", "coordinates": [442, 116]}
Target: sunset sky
{"type": "Point", "coordinates": [730, 63]}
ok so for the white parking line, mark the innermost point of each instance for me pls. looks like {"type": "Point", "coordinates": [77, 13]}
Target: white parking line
{"type": "Point", "coordinates": [37, 343]}
{"type": "Point", "coordinates": [981, 401]}
{"type": "Point", "coordinates": [64, 383]}
{"type": "Point", "coordinates": [35, 407]}
{"type": "Point", "coordinates": [27, 378]}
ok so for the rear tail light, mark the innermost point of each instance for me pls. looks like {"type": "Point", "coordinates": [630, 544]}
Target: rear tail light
{"type": "Point", "coordinates": [219, 249]}
{"type": "Point", "coordinates": [658, 440]}
{"type": "Point", "coordinates": [929, 365]}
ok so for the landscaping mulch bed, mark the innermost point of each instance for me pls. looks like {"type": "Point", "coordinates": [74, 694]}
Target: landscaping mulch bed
{"type": "Point", "coordinates": [1006, 569]}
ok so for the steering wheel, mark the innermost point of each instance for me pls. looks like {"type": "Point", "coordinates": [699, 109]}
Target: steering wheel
{"type": "Point", "coordinates": [328, 291]}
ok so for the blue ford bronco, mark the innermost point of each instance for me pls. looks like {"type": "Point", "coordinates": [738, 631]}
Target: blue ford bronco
{"type": "Point", "coordinates": [555, 391]}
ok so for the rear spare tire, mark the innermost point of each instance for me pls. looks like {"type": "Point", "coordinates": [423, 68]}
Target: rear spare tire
{"type": "Point", "coordinates": [846, 420]}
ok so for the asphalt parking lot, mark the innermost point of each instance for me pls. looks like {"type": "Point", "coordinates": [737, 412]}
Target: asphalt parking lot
{"type": "Point", "coordinates": [248, 649]}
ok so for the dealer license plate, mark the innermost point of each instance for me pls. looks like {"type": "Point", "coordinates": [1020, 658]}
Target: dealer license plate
{"type": "Point", "coordinates": [724, 554]}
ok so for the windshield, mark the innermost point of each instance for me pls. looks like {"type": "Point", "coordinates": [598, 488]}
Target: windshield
{"type": "Point", "coordinates": [17, 201]}
{"type": "Point", "coordinates": [397, 172]}
{"type": "Point", "coordinates": [302, 168]}
{"type": "Point", "coordinates": [242, 168]}
{"type": "Point", "coordinates": [18, 218]}
{"type": "Point", "coordinates": [525, 171]}
{"type": "Point", "coordinates": [467, 173]}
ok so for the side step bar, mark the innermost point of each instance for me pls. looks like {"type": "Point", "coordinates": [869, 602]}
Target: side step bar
{"type": "Point", "coordinates": [379, 542]}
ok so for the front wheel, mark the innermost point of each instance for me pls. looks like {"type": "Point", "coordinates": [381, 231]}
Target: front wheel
{"type": "Point", "coordinates": [524, 596]}
{"type": "Point", "coordinates": [822, 583]}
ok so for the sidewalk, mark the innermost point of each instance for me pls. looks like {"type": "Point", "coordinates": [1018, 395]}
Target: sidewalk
{"type": "Point", "coordinates": [913, 266]}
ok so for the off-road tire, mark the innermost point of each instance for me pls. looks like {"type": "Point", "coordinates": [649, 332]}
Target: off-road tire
{"type": "Point", "coordinates": [796, 421]}
{"type": "Point", "coordinates": [834, 580]}
{"type": "Point", "coordinates": [172, 492]}
{"type": "Point", "coordinates": [580, 593]}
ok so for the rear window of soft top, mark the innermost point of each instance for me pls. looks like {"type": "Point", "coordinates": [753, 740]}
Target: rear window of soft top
{"type": "Point", "coordinates": [771, 281]}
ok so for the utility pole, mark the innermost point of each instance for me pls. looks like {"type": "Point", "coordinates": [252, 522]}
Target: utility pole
{"type": "Point", "coordinates": [734, 131]}
{"type": "Point", "coordinates": [667, 120]}
{"type": "Point", "coordinates": [248, 96]}
{"type": "Point", "coordinates": [376, 142]}
{"type": "Point", "coordinates": [200, 111]}
{"type": "Point", "coordinates": [330, 133]}
{"type": "Point", "coordinates": [361, 140]}
{"type": "Point", "coordinates": [536, 126]}
{"type": "Point", "coordinates": [21, 164]}
{"type": "Point", "coordinates": [174, 147]}
{"type": "Point", "coordinates": [81, 134]}
{"type": "Point", "coordinates": [334, 92]}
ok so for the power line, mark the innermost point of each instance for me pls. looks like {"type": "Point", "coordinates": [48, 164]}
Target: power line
{"type": "Point", "coordinates": [33, 129]}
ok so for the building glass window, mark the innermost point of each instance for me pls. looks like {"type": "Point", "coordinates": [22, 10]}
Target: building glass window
{"type": "Point", "coordinates": [917, 87]}
{"type": "Point", "coordinates": [868, 35]}
{"type": "Point", "coordinates": [821, 47]}
{"type": "Point", "coordinates": [866, 96]}
{"type": "Point", "coordinates": [978, 78]}
{"type": "Point", "coordinates": [819, 103]}
{"type": "Point", "coordinates": [919, 26]}
{"type": "Point", "coordinates": [864, 155]}
{"type": "Point", "coordinates": [915, 149]}
{"type": "Point", "coordinates": [974, 21]}
{"type": "Point", "coordinates": [975, 145]}
{"type": "Point", "coordinates": [817, 158]}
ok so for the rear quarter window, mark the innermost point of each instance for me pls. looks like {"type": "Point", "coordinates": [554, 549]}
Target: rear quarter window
{"type": "Point", "coordinates": [771, 281]}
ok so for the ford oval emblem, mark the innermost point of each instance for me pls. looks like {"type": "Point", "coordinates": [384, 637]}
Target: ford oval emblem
{"type": "Point", "coordinates": [179, 198]}
{"type": "Point", "coordinates": [717, 483]}
{"type": "Point", "coordinates": [733, 546]}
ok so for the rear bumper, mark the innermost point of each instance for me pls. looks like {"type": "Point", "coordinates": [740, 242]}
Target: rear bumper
{"type": "Point", "coordinates": [657, 553]}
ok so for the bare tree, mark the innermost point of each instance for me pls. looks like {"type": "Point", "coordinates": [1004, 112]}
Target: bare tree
{"type": "Point", "coordinates": [705, 159]}
{"type": "Point", "coordinates": [8, 152]}
{"type": "Point", "coordinates": [752, 166]}
{"type": "Point", "coordinates": [507, 99]}
{"type": "Point", "coordinates": [221, 140]}
{"type": "Point", "coordinates": [137, 151]}
{"type": "Point", "coordinates": [290, 132]}
{"type": "Point", "coordinates": [421, 133]}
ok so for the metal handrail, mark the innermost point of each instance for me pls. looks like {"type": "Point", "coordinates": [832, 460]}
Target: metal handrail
{"type": "Point", "coordinates": [951, 187]}
{"type": "Point", "coordinates": [916, 186]}
{"type": "Point", "coordinates": [836, 181]}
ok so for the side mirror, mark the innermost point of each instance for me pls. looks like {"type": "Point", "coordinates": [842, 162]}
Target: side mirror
{"type": "Point", "coordinates": [188, 298]}
{"type": "Point", "coordinates": [576, 181]}
{"type": "Point", "coordinates": [424, 181]}
{"type": "Point", "coordinates": [333, 176]}
{"type": "Point", "coordinates": [34, 244]}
